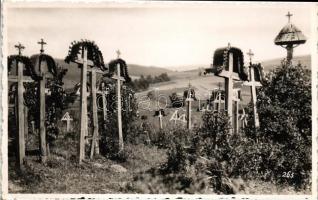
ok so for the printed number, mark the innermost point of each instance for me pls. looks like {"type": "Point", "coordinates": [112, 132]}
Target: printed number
{"type": "Point", "coordinates": [288, 174]}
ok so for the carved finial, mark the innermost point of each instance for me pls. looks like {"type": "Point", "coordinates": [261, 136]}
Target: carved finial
{"type": "Point", "coordinates": [20, 47]}
{"type": "Point", "coordinates": [250, 54]}
{"type": "Point", "coordinates": [289, 15]}
{"type": "Point", "coordinates": [42, 43]}
{"type": "Point", "coordinates": [228, 45]}
{"type": "Point", "coordinates": [118, 53]}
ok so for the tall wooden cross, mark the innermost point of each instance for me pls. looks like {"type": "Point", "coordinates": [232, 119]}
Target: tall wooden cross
{"type": "Point", "coordinates": [289, 15]}
{"type": "Point", "coordinates": [42, 82]}
{"type": "Point", "coordinates": [253, 84]}
{"type": "Point", "coordinates": [20, 109]}
{"type": "Point", "coordinates": [83, 92]}
{"type": "Point", "coordinates": [229, 77]}
{"type": "Point", "coordinates": [189, 99]}
{"type": "Point", "coordinates": [42, 43]}
{"type": "Point", "coordinates": [119, 78]}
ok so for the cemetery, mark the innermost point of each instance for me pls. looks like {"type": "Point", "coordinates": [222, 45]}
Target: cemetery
{"type": "Point", "coordinates": [248, 129]}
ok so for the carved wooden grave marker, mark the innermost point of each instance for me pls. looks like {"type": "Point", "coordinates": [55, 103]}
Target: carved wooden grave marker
{"type": "Point", "coordinates": [20, 110]}
{"type": "Point", "coordinates": [228, 63]}
{"type": "Point", "coordinates": [66, 117]}
{"type": "Point", "coordinates": [255, 78]}
{"type": "Point", "coordinates": [44, 66]}
{"type": "Point", "coordinates": [86, 54]}
{"type": "Point", "coordinates": [119, 78]}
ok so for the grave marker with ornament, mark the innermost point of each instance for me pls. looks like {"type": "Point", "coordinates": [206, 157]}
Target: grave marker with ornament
{"type": "Point", "coordinates": [118, 71]}
{"type": "Point", "coordinates": [22, 69]}
{"type": "Point", "coordinates": [90, 59]}
{"type": "Point", "coordinates": [44, 67]}
{"type": "Point", "coordinates": [228, 63]}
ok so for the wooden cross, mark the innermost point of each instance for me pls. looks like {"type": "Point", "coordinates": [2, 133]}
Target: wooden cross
{"type": "Point", "coordinates": [229, 76]}
{"type": "Point", "coordinates": [42, 43]}
{"type": "Point", "coordinates": [68, 120]}
{"type": "Point", "coordinates": [189, 100]}
{"type": "Point", "coordinates": [119, 78]}
{"type": "Point", "coordinates": [253, 84]}
{"type": "Point", "coordinates": [20, 110]}
{"type": "Point", "coordinates": [83, 92]}
{"type": "Point", "coordinates": [289, 15]}
{"type": "Point", "coordinates": [20, 48]}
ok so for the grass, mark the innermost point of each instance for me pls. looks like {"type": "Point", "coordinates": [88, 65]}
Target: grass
{"type": "Point", "coordinates": [62, 174]}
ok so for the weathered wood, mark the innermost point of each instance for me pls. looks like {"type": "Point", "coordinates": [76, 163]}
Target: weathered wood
{"type": "Point", "coordinates": [253, 84]}
{"type": "Point", "coordinates": [95, 142]}
{"type": "Point", "coordinates": [119, 109]}
{"type": "Point", "coordinates": [229, 91]}
{"type": "Point", "coordinates": [20, 117]}
{"type": "Point", "coordinates": [189, 100]}
{"type": "Point", "coordinates": [68, 120]}
{"type": "Point", "coordinates": [83, 107]}
{"type": "Point", "coordinates": [42, 142]}
{"type": "Point", "coordinates": [26, 125]}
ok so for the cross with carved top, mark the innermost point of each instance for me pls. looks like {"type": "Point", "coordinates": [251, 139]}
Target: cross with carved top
{"type": "Point", "coordinates": [118, 53]}
{"type": "Point", "coordinates": [42, 43]}
{"type": "Point", "coordinates": [20, 47]}
{"type": "Point", "coordinates": [289, 15]}
{"type": "Point", "coordinates": [250, 55]}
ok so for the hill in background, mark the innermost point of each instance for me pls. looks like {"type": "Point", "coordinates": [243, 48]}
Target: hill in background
{"type": "Point", "coordinates": [135, 71]}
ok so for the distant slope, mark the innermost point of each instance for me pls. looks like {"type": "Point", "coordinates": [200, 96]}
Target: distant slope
{"type": "Point", "coordinates": [73, 74]}
{"type": "Point", "coordinates": [271, 64]}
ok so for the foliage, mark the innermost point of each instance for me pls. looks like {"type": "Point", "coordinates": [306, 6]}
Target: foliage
{"type": "Point", "coordinates": [109, 128]}
{"type": "Point", "coordinates": [283, 151]}
{"type": "Point", "coordinates": [143, 82]}
{"type": "Point", "coordinates": [55, 103]}
{"type": "Point", "coordinates": [93, 53]}
{"type": "Point", "coordinates": [176, 101]}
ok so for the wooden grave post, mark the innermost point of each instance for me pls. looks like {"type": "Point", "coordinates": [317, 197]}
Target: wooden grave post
{"type": "Point", "coordinates": [119, 78]}
{"type": "Point", "coordinates": [83, 98]}
{"type": "Point", "coordinates": [189, 100]}
{"type": "Point", "coordinates": [229, 77]}
{"type": "Point", "coordinates": [253, 84]}
{"type": "Point", "coordinates": [43, 145]}
{"type": "Point", "coordinates": [95, 138]}
{"type": "Point", "coordinates": [19, 107]}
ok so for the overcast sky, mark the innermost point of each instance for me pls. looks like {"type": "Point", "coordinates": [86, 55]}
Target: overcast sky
{"type": "Point", "coordinates": [169, 35]}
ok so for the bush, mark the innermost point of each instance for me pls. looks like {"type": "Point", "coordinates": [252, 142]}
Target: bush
{"type": "Point", "coordinates": [283, 151]}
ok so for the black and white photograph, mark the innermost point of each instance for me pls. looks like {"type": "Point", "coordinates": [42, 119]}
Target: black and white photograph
{"type": "Point", "coordinates": [137, 97]}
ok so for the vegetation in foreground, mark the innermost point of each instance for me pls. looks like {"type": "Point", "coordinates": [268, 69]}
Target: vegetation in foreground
{"type": "Point", "coordinates": [273, 159]}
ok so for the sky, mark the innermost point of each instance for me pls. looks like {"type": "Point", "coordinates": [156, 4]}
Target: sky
{"type": "Point", "coordinates": [170, 35]}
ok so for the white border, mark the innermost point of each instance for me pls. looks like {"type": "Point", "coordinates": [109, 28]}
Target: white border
{"type": "Point", "coordinates": [90, 3]}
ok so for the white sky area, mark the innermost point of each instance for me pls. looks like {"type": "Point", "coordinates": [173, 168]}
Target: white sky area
{"type": "Point", "coordinates": [172, 36]}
